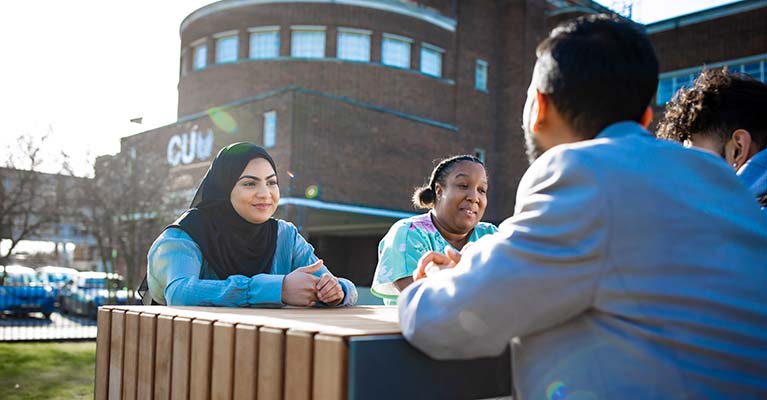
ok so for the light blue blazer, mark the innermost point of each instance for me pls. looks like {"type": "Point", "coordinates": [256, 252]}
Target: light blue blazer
{"type": "Point", "coordinates": [633, 268]}
{"type": "Point", "coordinates": [178, 274]}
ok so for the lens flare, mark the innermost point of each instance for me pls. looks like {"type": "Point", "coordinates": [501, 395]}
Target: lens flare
{"type": "Point", "coordinates": [312, 191]}
{"type": "Point", "coordinates": [222, 119]}
{"type": "Point", "coordinates": [556, 391]}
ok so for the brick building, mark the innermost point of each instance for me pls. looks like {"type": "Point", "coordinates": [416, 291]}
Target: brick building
{"type": "Point", "coordinates": [733, 35]}
{"type": "Point", "coordinates": [355, 99]}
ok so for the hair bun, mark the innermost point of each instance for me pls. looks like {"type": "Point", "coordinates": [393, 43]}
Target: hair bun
{"type": "Point", "coordinates": [423, 197]}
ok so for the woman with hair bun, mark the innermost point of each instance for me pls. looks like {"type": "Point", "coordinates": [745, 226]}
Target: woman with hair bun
{"type": "Point", "coordinates": [456, 196]}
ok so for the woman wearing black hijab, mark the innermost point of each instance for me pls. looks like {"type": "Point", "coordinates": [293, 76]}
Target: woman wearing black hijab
{"type": "Point", "coordinates": [227, 250]}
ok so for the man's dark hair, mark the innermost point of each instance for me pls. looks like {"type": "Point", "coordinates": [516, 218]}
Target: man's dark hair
{"type": "Point", "coordinates": [597, 70]}
{"type": "Point", "coordinates": [718, 103]}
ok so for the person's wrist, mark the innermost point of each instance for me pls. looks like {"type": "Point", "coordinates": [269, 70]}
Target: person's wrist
{"type": "Point", "coordinates": [282, 290]}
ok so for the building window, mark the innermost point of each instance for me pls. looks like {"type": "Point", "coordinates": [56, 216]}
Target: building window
{"type": "Point", "coordinates": [756, 70]}
{"type": "Point", "coordinates": [395, 51]}
{"type": "Point", "coordinates": [226, 47]}
{"type": "Point", "coordinates": [264, 42]}
{"type": "Point", "coordinates": [670, 82]}
{"type": "Point", "coordinates": [480, 154]}
{"type": "Point", "coordinates": [308, 42]}
{"type": "Point", "coordinates": [270, 129]}
{"type": "Point", "coordinates": [480, 76]}
{"type": "Point", "coordinates": [184, 62]}
{"type": "Point", "coordinates": [353, 44]}
{"type": "Point", "coordinates": [200, 55]}
{"type": "Point", "coordinates": [431, 60]}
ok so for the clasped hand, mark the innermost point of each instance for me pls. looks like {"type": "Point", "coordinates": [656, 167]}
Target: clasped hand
{"type": "Point", "coordinates": [433, 262]}
{"type": "Point", "coordinates": [302, 288]}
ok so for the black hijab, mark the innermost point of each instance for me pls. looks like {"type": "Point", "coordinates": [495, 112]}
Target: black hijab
{"type": "Point", "coordinates": [230, 244]}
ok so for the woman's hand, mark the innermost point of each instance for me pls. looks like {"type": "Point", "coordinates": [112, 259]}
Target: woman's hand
{"type": "Point", "coordinates": [299, 286]}
{"type": "Point", "coordinates": [433, 262]}
{"type": "Point", "coordinates": [329, 291]}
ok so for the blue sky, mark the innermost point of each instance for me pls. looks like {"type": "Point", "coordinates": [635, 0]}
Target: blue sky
{"type": "Point", "coordinates": [648, 11]}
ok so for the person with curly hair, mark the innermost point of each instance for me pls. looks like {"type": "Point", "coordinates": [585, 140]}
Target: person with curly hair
{"type": "Point", "coordinates": [724, 112]}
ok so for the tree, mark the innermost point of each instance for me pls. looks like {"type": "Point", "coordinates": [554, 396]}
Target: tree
{"type": "Point", "coordinates": [29, 199]}
{"type": "Point", "coordinates": [124, 208]}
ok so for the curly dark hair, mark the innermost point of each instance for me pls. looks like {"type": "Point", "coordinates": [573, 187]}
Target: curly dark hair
{"type": "Point", "coordinates": [718, 103]}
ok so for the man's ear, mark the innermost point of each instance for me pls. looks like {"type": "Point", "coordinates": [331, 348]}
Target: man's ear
{"type": "Point", "coordinates": [646, 117]}
{"type": "Point", "coordinates": [742, 147]}
{"type": "Point", "coordinates": [543, 105]}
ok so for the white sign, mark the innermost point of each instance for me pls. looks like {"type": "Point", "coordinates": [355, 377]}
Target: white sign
{"type": "Point", "coordinates": [186, 147]}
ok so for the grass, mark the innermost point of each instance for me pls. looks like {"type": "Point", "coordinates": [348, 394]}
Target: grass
{"type": "Point", "coordinates": [47, 370]}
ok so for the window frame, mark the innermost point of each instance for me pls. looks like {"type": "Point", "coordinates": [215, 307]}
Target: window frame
{"type": "Point", "coordinates": [358, 32]}
{"type": "Point", "coordinates": [219, 38]}
{"type": "Point", "coordinates": [196, 46]}
{"type": "Point", "coordinates": [295, 29]}
{"type": "Point", "coordinates": [426, 47]}
{"type": "Point", "coordinates": [481, 65]}
{"type": "Point", "coordinates": [269, 141]}
{"type": "Point", "coordinates": [734, 65]}
{"type": "Point", "coordinates": [396, 38]}
{"type": "Point", "coordinates": [260, 30]}
{"type": "Point", "coordinates": [481, 154]}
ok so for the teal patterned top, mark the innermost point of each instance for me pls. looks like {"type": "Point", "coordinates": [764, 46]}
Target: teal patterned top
{"type": "Point", "coordinates": [399, 251]}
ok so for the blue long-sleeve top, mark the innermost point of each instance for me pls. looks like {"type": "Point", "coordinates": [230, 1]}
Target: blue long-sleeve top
{"type": "Point", "coordinates": [179, 275]}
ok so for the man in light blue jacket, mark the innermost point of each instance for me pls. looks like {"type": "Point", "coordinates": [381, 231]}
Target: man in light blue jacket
{"type": "Point", "coordinates": [633, 268]}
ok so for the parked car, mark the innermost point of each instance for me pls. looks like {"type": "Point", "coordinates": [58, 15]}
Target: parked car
{"type": "Point", "coordinates": [90, 290]}
{"type": "Point", "coordinates": [56, 278]}
{"type": "Point", "coordinates": [21, 292]}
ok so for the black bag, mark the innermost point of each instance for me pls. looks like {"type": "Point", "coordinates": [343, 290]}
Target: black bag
{"type": "Point", "coordinates": [143, 291]}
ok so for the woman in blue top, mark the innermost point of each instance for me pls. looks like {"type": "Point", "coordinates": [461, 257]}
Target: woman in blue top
{"type": "Point", "coordinates": [457, 197]}
{"type": "Point", "coordinates": [227, 250]}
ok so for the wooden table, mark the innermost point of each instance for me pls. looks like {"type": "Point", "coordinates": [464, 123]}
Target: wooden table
{"type": "Point", "coordinates": [163, 352]}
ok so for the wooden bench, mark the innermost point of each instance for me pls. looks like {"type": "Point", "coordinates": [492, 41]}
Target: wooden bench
{"type": "Point", "coordinates": [158, 352]}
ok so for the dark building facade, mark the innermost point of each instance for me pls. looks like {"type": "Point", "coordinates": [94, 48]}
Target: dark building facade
{"type": "Point", "coordinates": [733, 35]}
{"type": "Point", "coordinates": [355, 99]}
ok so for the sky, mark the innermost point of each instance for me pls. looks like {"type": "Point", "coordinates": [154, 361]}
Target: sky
{"type": "Point", "coordinates": [80, 70]}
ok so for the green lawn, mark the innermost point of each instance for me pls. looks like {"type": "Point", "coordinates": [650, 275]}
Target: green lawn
{"type": "Point", "coordinates": [47, 370]}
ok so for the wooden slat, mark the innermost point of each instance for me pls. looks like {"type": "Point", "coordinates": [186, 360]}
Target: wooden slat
{"type": "Point", "coordinates": [182, 340]}
{"type": "Point", "coordinates": [103, 340]}
{"type": "Point", "coordinates": [146, 355]}
{"type": "Point", "coordinates": [116, 347]}
{"type": "Point", "coordinates": [130, 355]}
{"type": "Point", "coordinates": [331, 357]}
{"type": "Point", "coordinates": [199, 370]}
{"type": "Point", "coordinates": [163, 357]}
{"type": "Point", "coordinates": [222, 375]}
{"type": "Point", "coordinates": [299, 348]}
{"type": "Point", "coordinates": [246, 360]}
{"type": "Point", "coordinates": [271, 364]}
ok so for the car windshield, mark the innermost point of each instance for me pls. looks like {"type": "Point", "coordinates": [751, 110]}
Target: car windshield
{"type": "Point", "coordinates": [54, 277]}
{"type": "Point", "coordinates": [19, 279]}
{"type": "Point", "coordinates": [100, 283]}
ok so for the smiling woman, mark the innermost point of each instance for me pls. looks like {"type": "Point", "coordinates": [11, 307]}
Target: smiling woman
{"type": "Point", "coordinates": [457, 196]}
{"type": "Point", "coordinates": [227, 250]}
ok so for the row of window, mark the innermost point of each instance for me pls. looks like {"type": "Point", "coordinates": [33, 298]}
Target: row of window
{"type": "Point", "coordinates": [270, 134]}
{"type": "Point", "coordinates": [669, 85]}
{"type": "Point", "coordinates": [309, 42]}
